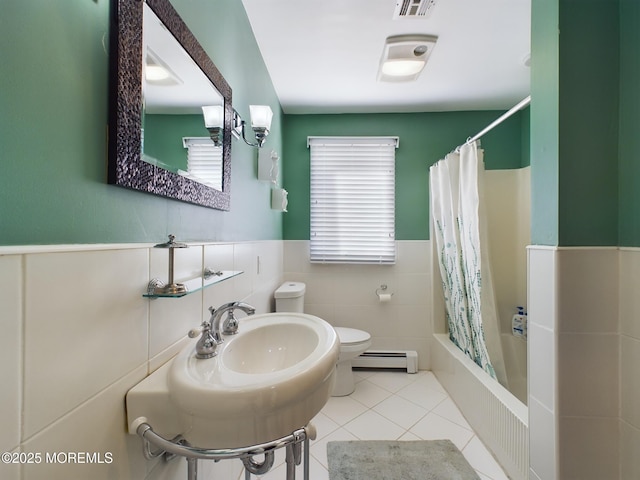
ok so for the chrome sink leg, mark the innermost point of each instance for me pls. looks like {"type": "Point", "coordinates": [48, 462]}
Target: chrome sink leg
{"type": "Point", "coordinates": [247, 474]}
{"type": "Point", "coordinates": [306, 458]}
{"type": "Point", "coordinates": [294, 457]}
{"type": "Point", "coordinates": [291, 462]}
{"type": "Point", "coordinates": [192, 468]}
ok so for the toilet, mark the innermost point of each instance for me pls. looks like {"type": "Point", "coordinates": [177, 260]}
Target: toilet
{"type": "Point", "coordinates": [290, 298]}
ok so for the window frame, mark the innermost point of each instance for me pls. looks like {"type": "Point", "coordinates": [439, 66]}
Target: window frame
{"type": "Point", "coordinates": [352, 200]}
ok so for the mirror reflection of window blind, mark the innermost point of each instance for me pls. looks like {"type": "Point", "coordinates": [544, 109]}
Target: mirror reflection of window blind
{"type": "Point", "coordinates": [204, 161]}
{"type": "Point", "coordinates": [352, 199]}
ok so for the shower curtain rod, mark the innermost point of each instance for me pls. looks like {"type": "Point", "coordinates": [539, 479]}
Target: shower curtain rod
{"type": "Point", "coordinates": [516, 108]}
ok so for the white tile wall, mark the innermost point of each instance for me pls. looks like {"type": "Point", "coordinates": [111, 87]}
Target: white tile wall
{"type": "Point", "coordinates": [10, 351]}
{"type": "Point", "coordinates": [85, 326]}
{"type": "Point", "coordinates": [629, 298]}
{"type": "Point", "coordinates": [588, 375]}
{"type": "Point", "coordinates": [589, 448]}
{"type": "Point", "coordinates": [542, 362]}
{"type": "Point", "coordinates": [588, 282]}
{"type": "Point", "coordinates": [629, 363]}
{"type": "Point", "coordinates": [543, 455]}
{"type": "Point", "coordinates": [89, 336]}
{"type": "Point", "coordinates": [542, 365]}
{"type": "Point", "coordinates": [629, 448]}
{"type": "Point", "coordinates": [588, 358]}
{"type": "Point", "coordinates": [584, 352]}
{"type": "Point", "coordinates": [345, 295]}
{"type": "Point", "coordinates": [77, 334]}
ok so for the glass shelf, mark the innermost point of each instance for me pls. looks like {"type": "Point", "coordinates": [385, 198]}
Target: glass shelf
{"type": "Point", "coordinates": [193, 285]}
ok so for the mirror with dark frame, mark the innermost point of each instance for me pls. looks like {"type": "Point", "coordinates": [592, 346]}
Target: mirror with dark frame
{"type": "Point", "coordinates": [154, 122]}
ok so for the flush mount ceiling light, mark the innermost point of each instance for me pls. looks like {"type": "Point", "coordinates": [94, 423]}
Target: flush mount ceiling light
{"type": "Point", "coordinates": [158, 72]}
{"type": "Point", "coordinates": [404, 57]}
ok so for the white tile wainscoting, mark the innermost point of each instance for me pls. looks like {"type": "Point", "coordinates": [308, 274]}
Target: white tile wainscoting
{"type": "Point", "coordinates": [77, 335]}
{"type": "Point", "coordinates": [345, 295]}
{"type": "Point", "coordinates": [584, 351]}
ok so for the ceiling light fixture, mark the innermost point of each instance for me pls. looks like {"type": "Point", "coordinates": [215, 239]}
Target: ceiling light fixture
{"type": "Point", "coordinates": [157, 72]}
{"type": "Point", "coordinates": [404, 57]}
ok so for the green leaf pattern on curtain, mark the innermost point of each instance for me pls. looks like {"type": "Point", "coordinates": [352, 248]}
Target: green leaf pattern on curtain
{"type": "Point", "coordinates": [453, 186]}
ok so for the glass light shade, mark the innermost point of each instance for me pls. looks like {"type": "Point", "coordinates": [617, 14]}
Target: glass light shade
{"type": "Point", "coordinates": [261, 116]}
{"type": "Point", "coordinates": [213, 116]}
{"type": "Point", "coordinates": [155, 73]}
{"type": "Point", "coordinates": [402, 68]}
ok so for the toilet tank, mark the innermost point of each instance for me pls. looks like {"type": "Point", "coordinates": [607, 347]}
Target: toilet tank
{"type": "Point", "coordinates": [290, 297]}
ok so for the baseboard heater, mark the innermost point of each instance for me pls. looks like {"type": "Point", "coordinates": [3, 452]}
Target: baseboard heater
{"type": "Point", "coordinates": [401, 359]}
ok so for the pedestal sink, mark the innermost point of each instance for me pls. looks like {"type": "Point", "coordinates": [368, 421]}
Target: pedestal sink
{"type": "Point", "coordinates": [271, 378]}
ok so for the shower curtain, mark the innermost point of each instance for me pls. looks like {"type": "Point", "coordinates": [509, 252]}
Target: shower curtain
{"type": "Point", "coordinates": [459, 235]}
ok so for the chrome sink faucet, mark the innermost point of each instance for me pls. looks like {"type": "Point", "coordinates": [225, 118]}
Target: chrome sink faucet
{"type": "Point", "coordinates": [211, 331]}
{"type": "Point", "coordinates": [230, 325]}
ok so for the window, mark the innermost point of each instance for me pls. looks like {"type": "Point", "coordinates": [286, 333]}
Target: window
{"type": "Point", "coordinates": [353, 199]}
{"type": "Point", "coordinates": [204, 161]}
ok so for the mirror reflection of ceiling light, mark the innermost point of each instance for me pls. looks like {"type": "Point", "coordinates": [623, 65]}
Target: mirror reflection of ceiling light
{"type": "Point", "coordinates": [158, 72]}
{"type": "Point", "coordinates": [404, 57]}
{"type": "Point", "coordinates": [155, 73]}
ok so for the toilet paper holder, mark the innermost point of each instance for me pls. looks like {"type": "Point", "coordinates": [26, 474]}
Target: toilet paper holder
{"type": "Point", "coordinates": [382, 290]}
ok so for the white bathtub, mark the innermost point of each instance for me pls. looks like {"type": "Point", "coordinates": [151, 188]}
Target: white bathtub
{"type": "Point", "coordinates": [496, 415]}
{"type": "Point", "coordinates": [514, 350]}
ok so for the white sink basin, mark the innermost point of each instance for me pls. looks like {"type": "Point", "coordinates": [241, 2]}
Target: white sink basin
{"type": "Point", "coordinates": [270, 348]}
{"type": "Point", "coordinates": [271, 378]}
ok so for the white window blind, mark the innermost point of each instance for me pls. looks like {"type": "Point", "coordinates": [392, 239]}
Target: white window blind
{"type": "Point", "coordinates": [204, 161]}
{"type": "Point", "coordinates": [352, 199]}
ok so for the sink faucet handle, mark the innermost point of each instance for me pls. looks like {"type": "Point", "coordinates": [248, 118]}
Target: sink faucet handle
{"type": "Point", "coordinates": [194, 332]}
{"type": "Point", "coordinates": [230, 325]}
{"type": "Point", "coordinates": [208, 342]}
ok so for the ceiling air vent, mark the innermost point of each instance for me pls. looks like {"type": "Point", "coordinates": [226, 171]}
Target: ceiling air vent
{"type": "Point", "coordinates": [413, 8]}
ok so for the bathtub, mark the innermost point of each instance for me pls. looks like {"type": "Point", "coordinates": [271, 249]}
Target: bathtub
{"type": "Point", "coordinates": [514, 350]}
{"type": "Point", "coordinates": [495, 414]}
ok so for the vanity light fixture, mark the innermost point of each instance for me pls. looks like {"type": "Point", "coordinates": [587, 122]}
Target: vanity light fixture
{"type": "Point", "coordinates": [404, 57]}
{"type": "Point", "coordinates": [261, 116]}
{"type": "Point", "coordinates": [213, 121]}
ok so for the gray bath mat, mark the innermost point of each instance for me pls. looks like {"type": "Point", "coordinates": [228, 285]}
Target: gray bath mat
{"type": "Point", "coordinates": [396, 460]}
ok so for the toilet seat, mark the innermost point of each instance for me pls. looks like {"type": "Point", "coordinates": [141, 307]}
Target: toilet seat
{"type": "Point", "coordinates": [351, 336]}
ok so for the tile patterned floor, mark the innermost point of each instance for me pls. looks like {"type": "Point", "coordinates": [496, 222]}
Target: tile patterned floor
{"type": "Point", "coordinates": [391, 405]}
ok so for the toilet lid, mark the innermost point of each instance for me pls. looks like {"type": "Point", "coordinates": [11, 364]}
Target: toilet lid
{"type": "Point", "coordinates": [351, 335]}
{"type": "Point", "coordinates": [290, 290]}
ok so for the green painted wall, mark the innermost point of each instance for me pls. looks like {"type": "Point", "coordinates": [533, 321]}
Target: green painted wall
{"type": "Point", "coordinates": [629, 145]}
{"type": "Point", "coordinates": [588, 106]}
{"type": "Point", "coordinates": [574, 122]}
{"type": "Point", "coordinates": [54, 102]}
{"type": "Point", "coordinates": [53, 93]}
{"type": "Point", "coordinates": [544, 122]}
{"type": "Point", "coordinates": [525, 137]}
{"type": "Point", "coordinates": [424, 139]}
